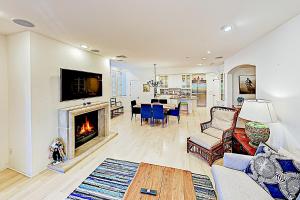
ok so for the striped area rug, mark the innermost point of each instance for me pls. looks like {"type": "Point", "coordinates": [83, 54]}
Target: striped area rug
{"type": "Point", "coordinates": [110, 180]}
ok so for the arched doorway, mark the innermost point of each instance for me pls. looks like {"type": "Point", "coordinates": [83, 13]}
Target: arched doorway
{"type": "Point", "coordinates": [241, 84]}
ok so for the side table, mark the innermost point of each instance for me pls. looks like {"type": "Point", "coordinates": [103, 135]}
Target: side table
{"type": "Point", "coordinates": [240, 143]}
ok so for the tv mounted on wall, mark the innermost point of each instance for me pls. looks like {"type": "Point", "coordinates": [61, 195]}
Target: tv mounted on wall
{"type": "Point", "coordinates": [79, 84]}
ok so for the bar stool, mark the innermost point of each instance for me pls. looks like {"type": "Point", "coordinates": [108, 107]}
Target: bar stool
{"type": "Point", "coordinates": [185, 105]}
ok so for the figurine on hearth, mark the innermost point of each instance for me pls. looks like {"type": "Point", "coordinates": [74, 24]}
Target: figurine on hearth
{"type": "Point", "coordinates": [56, 149]}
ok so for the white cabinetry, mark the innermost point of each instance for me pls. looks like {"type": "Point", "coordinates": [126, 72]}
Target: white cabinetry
{"type": "Point", "coordinates": [174, 81]}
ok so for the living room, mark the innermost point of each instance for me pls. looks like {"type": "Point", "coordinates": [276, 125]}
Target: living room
{"type": "Point", "coordinates": [195, 65]}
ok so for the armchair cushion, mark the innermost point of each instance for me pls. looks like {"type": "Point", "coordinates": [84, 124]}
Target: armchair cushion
{"type": "Point", "coordinates": [217, 133]}
{"type": "Point", "coordinates": [222, 119]}
{"type": "Point", "coordinates": [205, 140]}
{"type": "Point", "coordinates": [236, 161]}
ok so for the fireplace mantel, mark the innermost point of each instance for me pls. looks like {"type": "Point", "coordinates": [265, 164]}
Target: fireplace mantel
{"type": "Point", "coordinates": [66, 132]}
{"type": "Point", "coordinates": [67, 125]}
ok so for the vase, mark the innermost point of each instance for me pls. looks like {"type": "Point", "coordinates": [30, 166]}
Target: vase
{"type": "Point", "coordinates": [257, 133]}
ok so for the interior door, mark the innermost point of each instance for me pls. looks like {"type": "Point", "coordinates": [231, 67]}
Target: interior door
{"type": "Point", "coordinates": [135, 90]}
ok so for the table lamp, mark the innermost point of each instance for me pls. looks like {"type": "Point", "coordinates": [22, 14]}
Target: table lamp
{"type": "Point", "coordinates": [258, 113]}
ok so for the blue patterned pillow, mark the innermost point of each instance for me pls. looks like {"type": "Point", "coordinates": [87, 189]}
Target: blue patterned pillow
{"type": "Point", "coordinates": [277, 174]}
{"type": "Point", "coordinates": [263, 147]}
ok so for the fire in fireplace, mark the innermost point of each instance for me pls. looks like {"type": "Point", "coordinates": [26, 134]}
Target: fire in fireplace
{"type": "Point", "coordinates": [86, 126]}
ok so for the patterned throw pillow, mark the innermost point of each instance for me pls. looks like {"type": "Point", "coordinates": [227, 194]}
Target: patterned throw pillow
{"type": "Point", "coordinates": [277, 174]}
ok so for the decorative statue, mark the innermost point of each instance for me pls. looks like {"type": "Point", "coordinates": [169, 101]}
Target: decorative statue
{"type": "Point", "coordinates": [56, 149]}
{"type": "Point", "coordinates": [240, 100]}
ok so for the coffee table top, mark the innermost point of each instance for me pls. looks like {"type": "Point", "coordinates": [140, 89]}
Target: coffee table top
{"type": "Point", "coordinates": [170, 183]}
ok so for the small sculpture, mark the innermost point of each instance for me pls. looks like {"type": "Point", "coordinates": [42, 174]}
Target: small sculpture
{"type": "Point", "coordinates": [56, 149]}
{"type": "Point", "coordinates": [240, 100]}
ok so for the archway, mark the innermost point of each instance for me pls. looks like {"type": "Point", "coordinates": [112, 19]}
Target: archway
{"type": "Point", "coordinates": [241, 84]}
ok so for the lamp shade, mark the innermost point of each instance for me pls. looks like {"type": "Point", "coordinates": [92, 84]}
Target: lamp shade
{"type": "Point", "coordinates": [258, 111]}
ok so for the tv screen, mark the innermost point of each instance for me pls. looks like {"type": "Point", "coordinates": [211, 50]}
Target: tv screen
{"type": "Point", "coordinates": [79, 85]}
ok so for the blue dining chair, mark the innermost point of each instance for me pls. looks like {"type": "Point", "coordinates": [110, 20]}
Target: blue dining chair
{"type": "Point", "coordinates": [175, 112]}
{"type": "Point", "coordinates": [158, 113]}
{"type": "Point", "coordinates": [146, 112]}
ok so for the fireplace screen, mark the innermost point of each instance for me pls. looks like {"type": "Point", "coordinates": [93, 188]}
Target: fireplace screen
{"type": "Point", "coordinates": [86, 128]}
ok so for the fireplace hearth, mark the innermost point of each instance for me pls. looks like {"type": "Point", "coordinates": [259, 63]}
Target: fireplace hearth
{"type": "Point", "coordinates": [86, 128]}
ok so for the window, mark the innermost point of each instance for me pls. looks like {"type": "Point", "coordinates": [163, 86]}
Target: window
{"type": "Point", "coordinates": [118, 83]}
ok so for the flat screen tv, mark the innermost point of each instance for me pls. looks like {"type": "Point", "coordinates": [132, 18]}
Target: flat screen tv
{"type": "Point", "coordinates": [79, 84]}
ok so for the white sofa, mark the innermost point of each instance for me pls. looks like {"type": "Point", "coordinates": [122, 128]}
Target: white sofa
{"type": "Point", "coordinates": [233, 184]}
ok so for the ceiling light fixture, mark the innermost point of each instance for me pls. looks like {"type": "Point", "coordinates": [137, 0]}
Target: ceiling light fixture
{"type": "Point", "coordinates": [23, 22]}
{"type": "Point", "coordinates": [203, 58]}
{"type": "Point", "coordinates": [84, 46]}
{"type": "Point", "coordinates": [226, 28]}
{"type": "Point", "coordinates": [155, 83]}
{"type": "Point", "coordinates": [200, 64]}
{"type": "Point", "coordinates": [208, 52]}
{"type": "Point", "coordinates": [95, 50]}
{"type": "Point", "coordinates": [122, 56]}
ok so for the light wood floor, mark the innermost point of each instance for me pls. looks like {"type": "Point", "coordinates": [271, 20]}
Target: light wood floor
{"type": "Point", "coordinates": [157, 145]}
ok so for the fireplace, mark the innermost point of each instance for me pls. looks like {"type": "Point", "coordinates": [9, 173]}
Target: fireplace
{"type": "Point", "coordinates": [86, 128]}
{"type": "Point", "coordinates": [83, 127]}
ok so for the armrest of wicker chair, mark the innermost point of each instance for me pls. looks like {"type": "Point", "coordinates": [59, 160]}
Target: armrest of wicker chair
{"type": "Point", "coordinates": [227, 140]}
{"type": "Point", "coordinates": [205, 125]}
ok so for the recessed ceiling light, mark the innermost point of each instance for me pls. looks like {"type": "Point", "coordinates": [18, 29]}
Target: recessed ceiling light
{"type": "Point", "coordinates": [208, 52]}
{"type": "Point", "coordinates": [23, 22]}
{"type": "Point", "coordinates": [200, 64]}
{"type": "Point", "coordinates": [203, 58]}
{"type": "Point", "coordinates": [226, 28]}
{"type": "Point", "coordinates": [122, 56]}
{"type": "Point", "coordinates": [84, 46]}
{"type": "Point", "coordinates": [95, 50]}
{"type": "Point", "coordinates": [219, 57]}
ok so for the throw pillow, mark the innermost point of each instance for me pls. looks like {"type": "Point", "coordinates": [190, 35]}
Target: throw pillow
{"type": "Point", "coordinates": [263, 147]}
{"type": "Point", "coordinates": [277, 174]}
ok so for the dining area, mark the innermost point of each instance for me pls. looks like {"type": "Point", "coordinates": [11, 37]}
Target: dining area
{"type": "Point", "coordinates": [155, 112]}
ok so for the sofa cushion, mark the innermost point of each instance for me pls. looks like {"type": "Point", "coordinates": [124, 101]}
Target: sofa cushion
{"type": "Point", "coordinates": [205, 140]}
{"type": "Point", "coordinates": [236, 185]}
{"type": "Point", "coordinates": [217, 133]}
{"type": "Point", "coordinates": [277, 174]}
{"type": "Point", "coordinates": [222, 119]}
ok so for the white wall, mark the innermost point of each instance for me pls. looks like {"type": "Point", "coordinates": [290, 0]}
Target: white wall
{"type": "Point", "coordinates": [3, 104]}
{"type": "Point", "coordinates": [34, 85]}
{"type": "Point", "coordinates": [19, 95]}
{"type": "Point", "coordinates": [276, 57]}
{"type": "Point", "coordinates": [236, 72]}
{"type": "Point", "coordinates": [47, 57]}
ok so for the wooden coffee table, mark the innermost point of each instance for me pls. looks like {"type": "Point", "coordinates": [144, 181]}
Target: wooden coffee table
{"type": "Point", "coordinates": [170, 183]}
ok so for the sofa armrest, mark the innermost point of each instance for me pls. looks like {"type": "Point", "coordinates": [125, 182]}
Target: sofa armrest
{"type": "Point", "coordinates": [236, 161]}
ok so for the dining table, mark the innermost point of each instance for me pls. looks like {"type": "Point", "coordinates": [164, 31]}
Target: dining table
{"type": "Point", "coordinates": [166, 107]}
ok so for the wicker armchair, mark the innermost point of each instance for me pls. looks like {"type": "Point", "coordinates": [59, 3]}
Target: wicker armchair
{"type": "Point", "coordinates": [216, 135]}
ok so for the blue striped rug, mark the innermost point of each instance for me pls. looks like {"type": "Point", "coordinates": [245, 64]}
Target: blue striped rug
{"type": "Point", "coordinates": [110, 180]}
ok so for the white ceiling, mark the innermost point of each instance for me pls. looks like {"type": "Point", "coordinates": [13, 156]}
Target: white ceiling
{"type": "Point", "coordinates": [152, 31]}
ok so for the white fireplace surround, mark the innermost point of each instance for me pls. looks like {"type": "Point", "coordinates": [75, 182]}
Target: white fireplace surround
{"type": "Point", "coordinates": [67, 126]}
